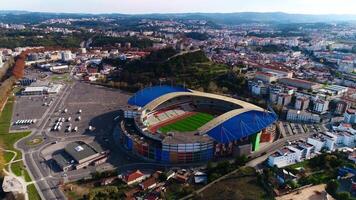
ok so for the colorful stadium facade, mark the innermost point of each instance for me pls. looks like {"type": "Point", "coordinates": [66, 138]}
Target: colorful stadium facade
{"type": "Point", "coordinates": [178, 125]}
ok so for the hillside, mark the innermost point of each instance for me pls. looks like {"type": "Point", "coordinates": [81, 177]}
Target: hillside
{"type": "Point", "coordinates": [192, 69]}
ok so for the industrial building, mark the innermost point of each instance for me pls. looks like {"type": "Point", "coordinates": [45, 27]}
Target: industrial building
{"type": "Point", "coordinates": [41, 90]}
{"type": "Point", "coordinates": [77, 155]}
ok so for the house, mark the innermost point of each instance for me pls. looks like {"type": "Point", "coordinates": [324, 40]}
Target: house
{"type": "Point", "coordinates": [170, 174]}
{"type": "Point", "coordinates": [352, 157]}
{"type": "Point", "coordinates": [284, 176]}
{"type": "Point", "coordinates": [149, 183]}
{"type": "Point", "coordinates": [200, 177]}
{"type": "Point", "coordinates": [134, 177]}
{"type": "Point", "coordinates": [107, 181]}
{"type": "Point", "coordinates": [181, 178]}
{"type": "Point", "coordinates": [130, 194]}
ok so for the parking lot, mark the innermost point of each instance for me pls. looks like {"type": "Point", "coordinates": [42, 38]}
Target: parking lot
{"type": "Point", "coordinates": [288, 129]}
{"type": "Point", "coordinates": [98, 107]}
{"type": "Point", "coordinates": [29, 108]}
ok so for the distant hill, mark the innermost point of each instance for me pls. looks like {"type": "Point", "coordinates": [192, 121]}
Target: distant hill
{"type": "Point", "coordinates": [220, 18]}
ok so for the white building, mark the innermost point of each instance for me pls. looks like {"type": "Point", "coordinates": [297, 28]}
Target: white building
{"type": "Point", "coordinates": [59, 68]}
{"type": "Point", "coordinates": [345, 139]}
{"type": "Point", "coordinates": [350, 116]}
{"type": "Point", "coordinates": [67, 55]}
{"type": "Point", "coordinates": [322, 141]}
{"type": "Point", "coordinates": [302, 116]}
{"type": "Point", "coordinates": [259, 89]}
{"type": "Point", "coordinates": [40, 90]}
{"type": "Point", "coordinates": [320, 106]}
{"type": "Point", "coordinates": [284, 157]}
{"type": "Point", "coordinates": [301, 103]}
{"type": "Point", "coordinates": [307, 150]}
{"type": "Point", "coordinates": [337, 90]}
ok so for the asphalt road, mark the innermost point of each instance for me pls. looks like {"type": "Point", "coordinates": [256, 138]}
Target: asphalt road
{"type": "Point", "coordinates": [47, 186]}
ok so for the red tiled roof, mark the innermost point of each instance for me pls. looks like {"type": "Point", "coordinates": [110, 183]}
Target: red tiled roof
{"type": "Point", "coordinates": [351, 111]}
{"type": "Point", "coordinates": [133, 176]}
{"type": "Point", "coordinates": [148, 182]}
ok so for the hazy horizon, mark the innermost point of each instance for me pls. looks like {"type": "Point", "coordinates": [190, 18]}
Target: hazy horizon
{"type": "Point", "coordinates": [313, 7]}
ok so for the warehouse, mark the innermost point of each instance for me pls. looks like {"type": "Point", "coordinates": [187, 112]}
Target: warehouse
{"type": "Point", "coordinates": [41, 90]}
{"type": "Point", "coordinates": [79, 155]}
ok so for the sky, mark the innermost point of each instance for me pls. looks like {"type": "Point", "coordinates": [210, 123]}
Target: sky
{"type": "Point", "coordinates": [183, 6]}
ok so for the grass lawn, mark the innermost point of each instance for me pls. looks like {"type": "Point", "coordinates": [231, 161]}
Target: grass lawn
{"type": "Point", "coordinates": [190, 123]}
{"type": "Point", "coordinates": [241, 185]}
{"type": "Point", "coordinates": [5, 117]}
{"type": "Point", "coordinates": [18, 168]}
{"type": "Point", "coordinates": [61, 77]}
{"type": "Point", "coordinates": [8, 156]}
{"type": "Point", "coordinates": [8, 139]}
{"type": "Point", "coordinates": [303, 164]}
{"type": "Point", "coordinates": [34, 141]}
{"type": "Point", "coordinates": [32, 192]}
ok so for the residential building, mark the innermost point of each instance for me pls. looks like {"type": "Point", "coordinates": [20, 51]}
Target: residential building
{"type": "Point", "coordinates": [350, 116]}
{"type": "Point", "coordinates": [301, 103]}
{"type": "Point", "coordinates": [345, 139]}
{"type": "Point", "coordinates": [320, 106]}
{"type": "Point", "coordinates": [284, 157]}
{"type": "Point", "coordinates": [259, 89]}
{"type": "Point", "coordinates": [284, 99]}
{"type": "Point", "coordinates": [337, 90]}
{"type": "Point", "coordinates": [322, 141]}
{"type": "Point", "coordinates": [339, 107]}
{"type": "Point", "coordinates": [265, 77]}
{"type": "Point", "coordinates": [67, 55]}
{"type": "Point", "coordinates": [149, 183]}
{"type": "Point", "coordinates": [133, 177]}
{"type": "Point", "coordinates": [303, 84]}
{"type": "Point", "coordinates": [302, 116]}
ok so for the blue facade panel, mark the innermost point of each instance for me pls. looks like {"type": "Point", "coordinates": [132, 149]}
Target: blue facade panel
{"type": "Point", "coordinates": [158, 153]}
{"type": "Point", "coordinates": [129, 144]}
{"type": "Point", "coordinates": [242, 125]}
{"type": "Point", "coordinates": [145, 96]}
{"type": "Point", "coordinates": [165, 156]}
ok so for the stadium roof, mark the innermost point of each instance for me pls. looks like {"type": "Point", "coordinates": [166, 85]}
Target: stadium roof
{"type": "Point", "coordinates": [232, 125]}
{"type": "Point", "coordinates": [241, 125]}
{"type": "Point", "coordinates": [145, 96]}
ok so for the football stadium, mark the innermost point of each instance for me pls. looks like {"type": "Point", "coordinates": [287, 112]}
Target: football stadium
{"type": "Point", "coordinates": [177, 125]}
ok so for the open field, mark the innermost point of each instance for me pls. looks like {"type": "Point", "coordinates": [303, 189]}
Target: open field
{"type": "Point", "coordinates": [242, 185]}
{"type": "Point", "coordinates": [190, 123]}
{"type": "Point", "coordinates": [316, 192]}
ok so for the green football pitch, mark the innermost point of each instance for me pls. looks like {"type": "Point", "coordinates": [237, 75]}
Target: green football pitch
{"type": "Point", "coordinates": [190, 123]}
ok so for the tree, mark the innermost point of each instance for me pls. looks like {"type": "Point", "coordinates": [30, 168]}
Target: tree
{"type": "Point", "coordinates": [343, 196]}
{"type": "Point", "coordinates": [162, 177]}
{"type": "Point", "coordinates": [332, 187]}
{"type": "Point", "coordinates": [240, 160]}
